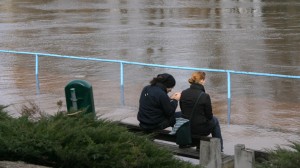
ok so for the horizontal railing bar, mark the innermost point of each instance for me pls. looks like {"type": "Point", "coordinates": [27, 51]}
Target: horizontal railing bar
{"type": "Point", "coordinates": [174, 67]}
{"type": "Point", "coordinates": [265, 74]}
{"type": "Point", "coordinates": [154, 65]}
{"type": "Point", "coordinates": [63, 56]}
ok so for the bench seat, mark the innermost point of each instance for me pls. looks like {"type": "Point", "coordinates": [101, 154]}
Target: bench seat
{"type": "Point", "coordinates": [160, 134]}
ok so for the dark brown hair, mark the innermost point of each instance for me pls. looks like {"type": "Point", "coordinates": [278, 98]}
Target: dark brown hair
{"type": "Point", "coordinates": [166, 79]}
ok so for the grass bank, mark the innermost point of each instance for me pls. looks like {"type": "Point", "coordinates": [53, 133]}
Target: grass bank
{"type": "Point", "coordinates": [283, 157]}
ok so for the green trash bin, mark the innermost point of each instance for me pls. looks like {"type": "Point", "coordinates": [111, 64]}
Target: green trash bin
{"type": "Point", "coordinates": [183, 134]}
{"type": "Point", "coordinates": [79, 96]}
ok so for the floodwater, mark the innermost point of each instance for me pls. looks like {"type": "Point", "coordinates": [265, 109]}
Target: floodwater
{"type": "Point", "coordinates": [241, 35]}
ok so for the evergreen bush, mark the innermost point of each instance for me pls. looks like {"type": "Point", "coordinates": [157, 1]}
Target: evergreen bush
{"type": "Point", "coordinates": [283, 157]}
{"type": "Point", "coordinates": [78, 141]}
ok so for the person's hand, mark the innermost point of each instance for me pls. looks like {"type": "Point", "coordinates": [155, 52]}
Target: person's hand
{"type": "Point", "coordinates": [176, 96]}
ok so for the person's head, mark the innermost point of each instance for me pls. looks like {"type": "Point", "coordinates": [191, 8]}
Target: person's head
{"type": "Point", "coordinates": [165, 79]}
{"type": "Point", "coordinates": [197, 78]}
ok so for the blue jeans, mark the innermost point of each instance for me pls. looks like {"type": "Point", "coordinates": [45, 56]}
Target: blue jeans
{"type": "Point", "coordinates": [216, 130]}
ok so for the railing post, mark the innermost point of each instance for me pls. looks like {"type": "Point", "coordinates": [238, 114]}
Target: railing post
{"type": "Point", "coordinates": [122, 83]}
{"type": "Point", "coordinates": [228, 97]}
{"type": "Point", "coordinates": [37, 74]}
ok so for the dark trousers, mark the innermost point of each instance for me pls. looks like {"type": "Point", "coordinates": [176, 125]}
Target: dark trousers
{"type": "Point", "coordinates": [216, 130]}
{"type": "Point", "coordinates": [170, 122]}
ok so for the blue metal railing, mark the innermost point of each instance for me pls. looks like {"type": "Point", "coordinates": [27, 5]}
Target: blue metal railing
{"type": "Point", "coordinates": [228, 72]}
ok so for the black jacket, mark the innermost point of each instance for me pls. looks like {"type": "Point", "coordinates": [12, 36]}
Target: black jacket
{"type": "Point", "coordinates": [155, 106]}
{"type": "Point", "coordinates": [203, 110]}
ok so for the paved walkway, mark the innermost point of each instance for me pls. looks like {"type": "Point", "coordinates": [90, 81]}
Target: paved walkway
{"type": "Point", "coordinates": [253, 137]}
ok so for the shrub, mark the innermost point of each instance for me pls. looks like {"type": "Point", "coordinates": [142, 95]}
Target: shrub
{"type": "Point", "coordinates": [283, 157]}
{"type": "Point", "coordinates": [78, 141]}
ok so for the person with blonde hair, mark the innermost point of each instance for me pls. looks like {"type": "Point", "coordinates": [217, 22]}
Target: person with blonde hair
{"type": "Point", "coordinates": [195, 105]}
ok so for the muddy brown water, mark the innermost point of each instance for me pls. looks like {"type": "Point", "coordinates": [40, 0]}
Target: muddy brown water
{"type": "Point", "coordinates": [255, 36]}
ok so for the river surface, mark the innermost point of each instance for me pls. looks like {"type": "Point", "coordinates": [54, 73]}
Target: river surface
{"type": "Point", "coordinates": [241, 35]}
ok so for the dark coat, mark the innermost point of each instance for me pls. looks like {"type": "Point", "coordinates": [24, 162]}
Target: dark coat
{"type": "Point", "coordinates": [156, 108]}
{"type": "Point", "coordinates": [203, 110]}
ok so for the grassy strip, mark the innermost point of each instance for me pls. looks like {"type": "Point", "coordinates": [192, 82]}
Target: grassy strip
{"type": "Point", "coordinates": [283, 157]}
{"type": "Point", "coordinates": [78, 141]}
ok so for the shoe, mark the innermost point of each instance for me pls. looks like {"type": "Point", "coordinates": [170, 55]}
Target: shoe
{"type": "Point", "coordinates": [184, 146]}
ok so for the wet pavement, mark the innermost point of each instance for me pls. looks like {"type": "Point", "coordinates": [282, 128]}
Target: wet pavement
{"type": "Point", "coordinates": [251, 136]}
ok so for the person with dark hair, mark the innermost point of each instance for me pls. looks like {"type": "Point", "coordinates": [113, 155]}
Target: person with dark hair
{"type": "Point", "coordinates": [196, 105]}
{"type": "Point", "coordinates": [156, 108]}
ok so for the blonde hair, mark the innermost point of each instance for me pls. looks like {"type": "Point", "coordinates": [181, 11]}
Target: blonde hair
{"type": "Point", "coordinates": [197, 77]}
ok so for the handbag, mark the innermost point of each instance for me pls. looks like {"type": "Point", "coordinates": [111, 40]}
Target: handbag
{"type": "Point", "coordinates": [183, 133]}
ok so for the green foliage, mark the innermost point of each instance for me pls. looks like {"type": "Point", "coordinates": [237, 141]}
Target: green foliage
{"type": "Point", "coordinates": [3, 114]}
{"type": "Point", "coordinates": [283, 157]}
{"type": "Point", "coordinates": [78, 141]}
